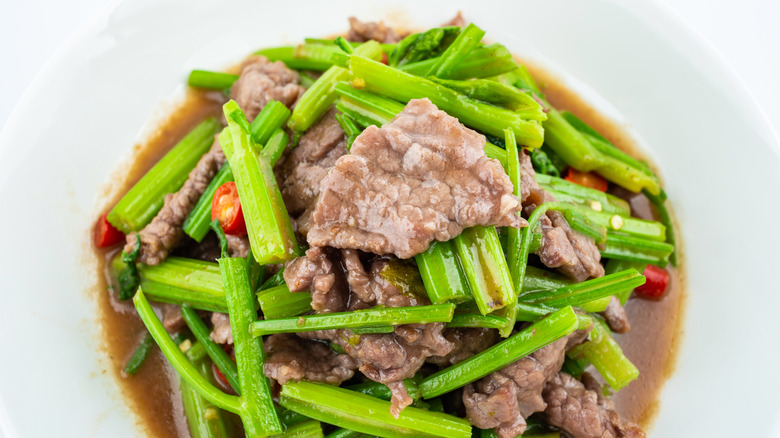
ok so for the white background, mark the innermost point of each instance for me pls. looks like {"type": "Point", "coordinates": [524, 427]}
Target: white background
{"type": "Point", "coordinates": [746, 33]}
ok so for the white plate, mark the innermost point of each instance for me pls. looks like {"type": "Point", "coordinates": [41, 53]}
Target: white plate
{"type": "Point", "coordinates": [718, 158]}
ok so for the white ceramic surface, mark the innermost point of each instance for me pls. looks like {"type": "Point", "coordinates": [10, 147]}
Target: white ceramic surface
{"type": "Point", "coordinates": [633, 61]}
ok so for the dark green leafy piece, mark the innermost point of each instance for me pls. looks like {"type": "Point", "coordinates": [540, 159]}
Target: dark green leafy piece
{"type": "Point", "coordinates": [140, 354]}
{"type": "Point", "coordinates": [129, 278]}
{"type": "Point", "coordinates": [419, 46]}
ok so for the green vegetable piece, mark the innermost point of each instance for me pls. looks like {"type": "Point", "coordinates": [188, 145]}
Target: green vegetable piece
{"type": "Point", "coordinates": [302, 57]}
{"type": "Point", "coordinates": [129, 278]}
{"type": "Point", "coordinates": [278, 302]}
{"type": "Point", "coordinates": [424, 45]}
{"type": "Point", "coordinates": [270, 232]}
{"type": "Point", "coordinates": [211, 80]}
{"type": "Point", "coordinates": [142, 202]}
{"type": "Point", "coordinates": [463, 44]}
{"type": "Point", "coordinates": [214, 351]}
{"type": "Point", "coordinates": [362, 413]}
{"type": "Point", "coordinates": [257, 408]}
{"type": "Point", "coordinates": [199, 219]}
{"type": "Point", "coordinates": [321, 95]}
{"type": "Point", "coordinates": [374, 317]}
{"type": "Point", "coordinates": [303, 429]}
{"type": "Point", "coordinates": [482, 258]}
{"type": "Point", "coordinates": [205, 419]}
{"type": "Point", "coordinates": [523, 343]}
{"type": "Point", "coordinates": [442, 274]}
{"type": "Point", "coordinates": [497, 94]}
{"type": "Point", "coordinates": [140, 355]}
{"type": "Point", "coordinates": [606, 355]}
{"type": "Point", "coordinates": [579, 293]}
{"type": "Point", "coordinates": [402, 86]}
{"type": "Point", "coordinates": [180, 363]}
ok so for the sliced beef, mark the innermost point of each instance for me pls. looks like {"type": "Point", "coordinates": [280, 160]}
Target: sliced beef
{"type": "Point", "coordinates": [380, 286]}
{"type": "Point", "coordinates": [573, 253]}
{"type": "Point", "coordinates": [161, 235]}
{"type": "Point", "coordinates": [391, 357]}
{"type": "Point", "coordinates": [421, 177]}
{"type": "Point", "coordinates": [221, 333]}
{"type": "Point", "coordinates": [385, 357]}
{"type": "Point", "coordinates": [457, 20]}
{"type": "Point", "coordinates": [616, 317]}
{"type": "Point", "coordinates": [505, 398]}
{"type": "Point", "coordinates": [584, 412]}
{"type": "Point", "coordinates": [307, 164]}
{"type": "Point", "coordinates": [172, 318]}
{"type": "Point", "coordinates": [238, 246]}
{"type": "Point", "coordinates": [261, 81]}
{"type": "Point", "coordinates": [361, 31]}
{"type": "Point", "coordinates": [290, 357]}
{"type": "Point", "coordinates": [467, 342]}
{"type": "Point", "coordinates": [319, 272]}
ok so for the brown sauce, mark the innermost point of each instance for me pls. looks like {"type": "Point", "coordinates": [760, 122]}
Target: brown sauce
{"type": "Point", "coordinates": [152, 393]}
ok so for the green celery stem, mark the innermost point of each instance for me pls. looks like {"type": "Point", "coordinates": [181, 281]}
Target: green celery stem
{"type": "Point", "coordinates": [142, 202]}
{"type": "Point", "coordinates": [197, 223]}
{"type": "Point", "coordinates": [523, 343]}
{"type": "Point", "coordinates": [215, 352]}
{"type": "Point", "coordinates": [211, 80]}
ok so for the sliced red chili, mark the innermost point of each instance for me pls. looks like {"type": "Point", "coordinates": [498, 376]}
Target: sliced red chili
{"type": "Point", "coordinates": [657, 280]}
{"type": "Point", "coordinates": [227, 208]}
{"type": "Point", "coordinates": [587, 179]}
{"type": "Point", "coordinates": [106, 234]}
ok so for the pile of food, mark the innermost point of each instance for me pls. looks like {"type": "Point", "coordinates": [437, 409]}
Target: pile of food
{"type": "Point", "coordinates": [390, 235]}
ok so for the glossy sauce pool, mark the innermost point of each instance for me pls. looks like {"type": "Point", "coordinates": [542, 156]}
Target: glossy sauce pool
{"type": "Point", "coordinates": [153, 395]}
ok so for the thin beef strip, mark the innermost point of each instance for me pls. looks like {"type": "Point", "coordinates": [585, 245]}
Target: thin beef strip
{"type": "Point", "coordinates": [221, 333]}
{"type": "Point", "coordinates": [584, 412]}
{"type": "Point", "coordinates": [319, 271]}
{"type": "Point", "coordinates": [261, 81]}
{"type": "Point", "coordinates": [467, 342]}
{"type": "Point", "coordinates": [616, 317]}
{"type": "Point", "coordinates": [161, 235]}
{"type": "Point", "coordinates": [290, 357]}
{"type": "Point", "coordinates": [387, 357]}
{"type": "Point", "coordinates": [307, 164]}
{"type": "Point", "coordinates": [505, 398]}
{"type": "Point", "coordinates": [361, 31]}
{"type": "Point", "coordinates": [571, 252]}
{"type": "Point", "coordinates": [421, 177]}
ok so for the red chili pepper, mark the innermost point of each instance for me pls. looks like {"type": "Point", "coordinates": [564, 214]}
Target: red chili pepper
{"type": "Point", "coordinates": [587, 179]}
{"type": "Point", "coordinates": [106, 234]}
{"type": "Point", "coordinates": [384, 58]}
{"type": "Point", "coordinates": [227, 208]}
{"type": "Point", "coordinates": [219, 374]}
{"type": "Point", "coordinates": [655, 284]}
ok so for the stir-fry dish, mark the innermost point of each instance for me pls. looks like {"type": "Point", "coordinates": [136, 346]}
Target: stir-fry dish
{"type": "Point", "coordinates": [390, 234]}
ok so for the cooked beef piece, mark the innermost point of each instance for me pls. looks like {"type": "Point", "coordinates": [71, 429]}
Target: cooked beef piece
{"type": "Point", "coordinates": [582, 412]}
{"type": "Point", "coordinates": [391, 357]}
{"type": "Point", "coordinates": [616, 317]}
{"type": "Point", "coordinates": [361, 31]}
{"type": "Point", "coordinates": [574, 254]}
{"type": "Point", "coordinates": [376, 287]}
{"type": "Point", "coordinates": [290, 357]}
{"type": "Point", "coordinates": [237, 246]}
{"type": "Point", "coordinates": [172, 319]}
{"type": "Point", "coordinates": [319, 272]}
{"type": "Point", "coordinates": [457, 20]}
{"type": "Point", "coordinates": [221, 333]}
{"type": "Point", "coordinates": [467, 342]}
{"type": "Point", "coordinates": [261, 81]}
{"type": "Point", "coordinates": [161, 235]}
{"type": "Point", "coordinates": [384, 357]}
{"type": "Point", "coordinates": [421, 177]}
{"type": "Point", "coordinates": [505, 398]}
{"type": "Point", "coordinates": [306, 165]}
